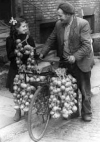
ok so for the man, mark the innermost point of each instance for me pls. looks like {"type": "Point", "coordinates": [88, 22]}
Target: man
{"type": "Point", "coordinates": [72, 35]}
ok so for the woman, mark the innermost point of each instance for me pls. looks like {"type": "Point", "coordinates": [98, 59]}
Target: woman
{"type": "Point", "coordinates": [19, 30]}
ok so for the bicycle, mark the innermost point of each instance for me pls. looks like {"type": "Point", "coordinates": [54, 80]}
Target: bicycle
{"type": "Point", "coordinates": [39, 106]}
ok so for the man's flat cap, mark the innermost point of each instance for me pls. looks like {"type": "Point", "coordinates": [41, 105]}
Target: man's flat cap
{"type": "Point", "coordinates": [67, 8]}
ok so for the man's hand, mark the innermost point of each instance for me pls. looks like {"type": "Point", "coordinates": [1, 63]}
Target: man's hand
{"type": "Point", "coordinates": [41, 56]}
{"type": "Point", "coordinates": [71, 59]}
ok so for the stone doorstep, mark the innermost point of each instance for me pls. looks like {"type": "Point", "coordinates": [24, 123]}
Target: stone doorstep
{"type": "Point", "coordinates": [9, 132]}
{"type": "Point", "coordinates": [13, 131]}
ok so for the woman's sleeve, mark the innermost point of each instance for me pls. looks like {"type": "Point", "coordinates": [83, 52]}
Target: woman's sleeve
{"type": "Point", "coordinates": [10, 49]}
{"type": "Point", "coordinates": [31, 41]}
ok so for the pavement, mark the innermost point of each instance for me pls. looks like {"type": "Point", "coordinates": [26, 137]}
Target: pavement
{"type": "Point", "coordinates": [74, 130]}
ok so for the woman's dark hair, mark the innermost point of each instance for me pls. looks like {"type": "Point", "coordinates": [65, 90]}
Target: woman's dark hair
{"type": "Point", "coordinates": [13, 31]}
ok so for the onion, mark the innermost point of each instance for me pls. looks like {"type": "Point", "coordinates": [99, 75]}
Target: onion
{"type": "Point", "coordinates": [59, 83]}
{"type": "Point", "coordinates": [74, 95]}
{"type": "Point", "coordinates": [16, 51]}
{"type": "Point", "coordinates": [58, 90]}
{"type": "Point", "coordinates": [19, 45]}
{"type": "Point", "coordinates": [65, 115]}
{"type": "Point", "coordinates": [38, 79]}
{"type": "Point", "coordinates": [14, 94]}
{"type": "Point", "coordinates": [33, 88]}
{"type": "Point", "coordinates": [31, 96]}
{"type": "Point", "coordinates": [66, 105]}
{"type": "Point", "coordinates": [28, 88]}
{"type": "Point", "coordinates": [52, 112]}
{"type": "Point", "coordinates": [62, 87]}
{"type": "Point", "coordinates": [42, 78]}
{"type": "Point", "coordinates": [75, 101]}
{"type": "Point", "coordinates": [54, 99]}
{"type": "Point", "coordinates": [31, 79]}
{"type": "Point", "coordinates": [67, 98]}
{"type": "Point", "coordinates": [18, 41]}
{"type": "Point", "coordinates": [68, 84]}
{"type": "Point", "coordinates": [55, 108]}
{"type": "Point", "coordinates": [63, 81]}
{"type": "Point", "coordinates": [64, 110]}
{"type": "Point", "coordinates": [27, 52]}
{"type": "Point", "coordinates": [72, 103]}
{"type": "Point", "coordinates": [53, 78]}
{"type": "Point", "coordinates": [56, 115]}
{"type": "Point", "coordinates": [23, 85]}
{"type": "Point", "coordinates": [21, 76]}
{"type": "Point", "coordinates": [70, 112]}
{"type": "Point", "coordinates": [74, 108]}
{"type": "Point", "coordinates": [23, 93]}
{"type": "Point", "coordinates": [60, 94]}
{"type": "Point", "coordinates": [74, 80]}
{"type": "Point", "coordinates": [51, 88]}
{"type": "Point", "coordinates": [27, 103]}
{"type": "Point", "coordinates": [15, 87]}
{"type": "Point", "coordinates": [75, 86]}
{"type": "Point", "coordinates": [51, 96]}
{"type": "Point", "coordinates": [19, 54]}
{"type": "Point", "coordinates": [26, 109]}
{"type": "Point", "coordinates": [22, 106]}
{"type": "Point", "coordinates": [55, 82]}
{"type": "Point", "coordinates": [54, 90]}
{"type": "Point", "coordinates": [63, 97]}
{"type": "Point", "coordinates": [16, 107]}
{"type": "Point", "coordinates": [18, 96]}
{"type": "Point", "coordinates": [32, 61]}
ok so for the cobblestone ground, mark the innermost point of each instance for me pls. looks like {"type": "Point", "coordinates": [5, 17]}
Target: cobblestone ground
{"type": "Point", "coordinates": [74, 130]}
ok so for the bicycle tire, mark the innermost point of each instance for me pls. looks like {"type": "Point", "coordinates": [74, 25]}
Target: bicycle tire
{"type": "Point", "coordinates": [30, 129]}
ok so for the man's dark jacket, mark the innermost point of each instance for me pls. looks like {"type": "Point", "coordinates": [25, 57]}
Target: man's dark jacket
{"type": "Point", "coordinates": [79, 42]}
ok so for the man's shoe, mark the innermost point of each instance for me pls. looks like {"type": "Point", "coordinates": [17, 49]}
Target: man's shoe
{"type": "Point", "coordinates": [87, 118]}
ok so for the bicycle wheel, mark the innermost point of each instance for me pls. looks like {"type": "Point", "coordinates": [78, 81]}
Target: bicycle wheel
{"type": "Point", "coordinates": [38, 116]}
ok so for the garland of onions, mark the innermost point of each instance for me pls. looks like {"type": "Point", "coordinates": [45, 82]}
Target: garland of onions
{"type": "Point", "coordinates": [23, 90]}
{"type": "Point", "coordinates": [63, 98]}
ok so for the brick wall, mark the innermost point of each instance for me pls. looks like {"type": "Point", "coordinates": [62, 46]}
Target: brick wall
{"type": "Point", "coordinates": [36, 11]}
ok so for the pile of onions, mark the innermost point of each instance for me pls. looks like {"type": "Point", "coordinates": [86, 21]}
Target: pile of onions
{"type": "Point", "coordinates": [62, 101]}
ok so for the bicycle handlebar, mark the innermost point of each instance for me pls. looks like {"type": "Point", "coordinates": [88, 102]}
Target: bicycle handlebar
{"type": "Point", "coordinates": [54, 60]}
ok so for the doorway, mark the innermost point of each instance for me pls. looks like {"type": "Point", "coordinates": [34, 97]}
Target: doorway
{"type": "Point", "coordinates": [5, 10]}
